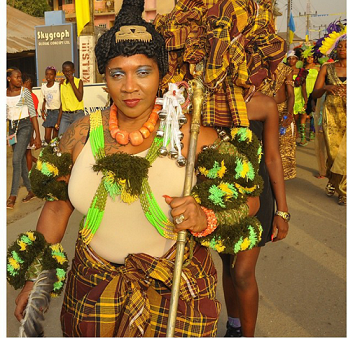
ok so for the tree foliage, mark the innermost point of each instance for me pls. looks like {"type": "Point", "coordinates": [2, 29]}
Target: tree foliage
{"type": "Point", "coordinates": [33, 7]}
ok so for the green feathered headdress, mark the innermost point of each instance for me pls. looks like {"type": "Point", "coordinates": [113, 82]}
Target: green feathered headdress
{"type": "Point", "coordinates": [308, 51]}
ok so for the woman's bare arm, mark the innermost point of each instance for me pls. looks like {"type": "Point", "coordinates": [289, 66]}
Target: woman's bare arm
{"type": "Point", "coordinates": [264, 108]}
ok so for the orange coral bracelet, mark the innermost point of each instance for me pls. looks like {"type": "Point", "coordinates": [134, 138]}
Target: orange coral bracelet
{"type": "Point", "coordinates": [212, 223]}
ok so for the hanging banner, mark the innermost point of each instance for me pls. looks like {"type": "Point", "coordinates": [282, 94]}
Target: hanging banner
{"type": "Point", "coordinates": [87, 58]}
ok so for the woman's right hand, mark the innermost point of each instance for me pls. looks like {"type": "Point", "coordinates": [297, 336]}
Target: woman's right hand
{"type": "Point", "coordinates": [37, 142]}
{"type": "Point", "coordinates": [22, 300]}
{"type": "Point", "coordinates": [332, 89]}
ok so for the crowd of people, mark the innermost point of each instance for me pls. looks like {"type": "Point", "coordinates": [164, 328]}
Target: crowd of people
{"type": "Point", "coordinates": [62, 105]}
{"type": "Point", "coordinates": [134, 191]}
{"type": "Point", "coordinates": [319, 75]}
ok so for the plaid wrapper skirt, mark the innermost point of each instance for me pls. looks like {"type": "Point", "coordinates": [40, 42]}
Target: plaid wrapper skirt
{"type": "Point", "coordinates": [132, 300]}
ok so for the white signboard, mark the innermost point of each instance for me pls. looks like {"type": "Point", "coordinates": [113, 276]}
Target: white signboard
{"type": "Point", "coordinates": [87, 58]}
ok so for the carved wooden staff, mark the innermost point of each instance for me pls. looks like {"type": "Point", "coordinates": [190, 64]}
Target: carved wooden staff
{"type": "Point", "coordinates": [197, 88]}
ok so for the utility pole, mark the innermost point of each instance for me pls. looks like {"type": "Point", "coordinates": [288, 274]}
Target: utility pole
{"type": "Point", "coordinates": [287, 26]}
{"type": "Point", "coordinates": [308, 26]}
{"type": "Point", "coordinates": [320, 29]}
{"type": "Point", "coordinates": [308, 16]}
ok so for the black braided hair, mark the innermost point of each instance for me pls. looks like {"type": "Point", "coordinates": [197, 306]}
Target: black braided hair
{"type": "Point", "coordinates": [131, 14]}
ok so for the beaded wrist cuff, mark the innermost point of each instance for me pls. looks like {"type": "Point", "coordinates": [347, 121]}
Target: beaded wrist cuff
{"type": "Point", "coordinates": [212, 223]}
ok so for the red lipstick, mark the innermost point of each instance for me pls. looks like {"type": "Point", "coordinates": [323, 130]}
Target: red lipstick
{"type": "Point", "coordinates": [131, 103]}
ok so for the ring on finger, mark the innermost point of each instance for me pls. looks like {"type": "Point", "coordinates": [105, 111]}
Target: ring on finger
{"type": "Point", "coordinates": [179, 219]}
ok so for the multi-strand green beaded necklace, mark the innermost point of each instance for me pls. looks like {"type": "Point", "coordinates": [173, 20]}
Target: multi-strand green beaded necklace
{"type": "Point", "coordinates": [119, 179]}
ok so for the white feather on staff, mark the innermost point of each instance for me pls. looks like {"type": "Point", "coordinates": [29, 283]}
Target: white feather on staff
{"type": "Point", "coordinates": [38, 304]}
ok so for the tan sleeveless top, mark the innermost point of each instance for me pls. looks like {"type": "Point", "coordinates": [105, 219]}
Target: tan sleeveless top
{"type": "Point", "coordinates": [124, 228]}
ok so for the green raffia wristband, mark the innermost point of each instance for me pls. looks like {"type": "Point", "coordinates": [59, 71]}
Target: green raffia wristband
{"type": "Point", "coordinates": [233, 238]}
{"type": "Point", "coordinates": [118, 179]}
{"type": "Point", "coordinates": [29, 255]}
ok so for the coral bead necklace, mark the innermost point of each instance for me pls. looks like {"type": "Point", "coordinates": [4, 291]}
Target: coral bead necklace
{"type": "Point", "coordinates": [135, 137]}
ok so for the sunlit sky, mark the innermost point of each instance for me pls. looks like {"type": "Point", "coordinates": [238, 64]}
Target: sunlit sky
{"type": "Point", "coordinates": [327, 11]}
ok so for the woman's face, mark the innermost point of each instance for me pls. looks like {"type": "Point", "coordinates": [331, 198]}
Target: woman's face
{"type": "Point", "coordinates": [133, 83]}
{"type": "Point", "coordinates": [15, 78]}
{"type": "Point", "coordinates": [310, 59]}
{"type": "Point", "coordinates": [50, 75]}
{"type": "Point", "coordinates": [342, 49]}
{"type": "Point", "coordinates": [292, 60]}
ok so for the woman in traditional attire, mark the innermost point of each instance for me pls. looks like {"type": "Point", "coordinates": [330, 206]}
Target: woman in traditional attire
{"type": "Point", "coordinates": [106, 166]}
{"type": "Point", "coordinates": [281, 88]}
{"type": "Point", "coordinates": [313, 68]}
{"type": "Point", "coordinates": [332, 81]}
{"type": "Point", "coordinates": [299, 77]}
{"type": "Point", "coordinates": [240, 51]}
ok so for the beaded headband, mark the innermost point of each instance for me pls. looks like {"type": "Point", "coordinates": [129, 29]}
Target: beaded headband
{"type": "Point", "coordinates": [133, 33]}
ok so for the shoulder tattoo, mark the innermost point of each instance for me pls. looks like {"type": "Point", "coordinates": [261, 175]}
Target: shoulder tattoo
{"type": "Point", "coordinates": [76, 133]}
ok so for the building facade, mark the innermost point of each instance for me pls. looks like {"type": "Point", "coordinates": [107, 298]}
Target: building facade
{"type": "Point", "coordinates": [105, 10]}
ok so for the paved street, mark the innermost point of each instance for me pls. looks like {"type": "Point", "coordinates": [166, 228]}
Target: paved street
{"type": "Point", "coordinates": [302, 280]}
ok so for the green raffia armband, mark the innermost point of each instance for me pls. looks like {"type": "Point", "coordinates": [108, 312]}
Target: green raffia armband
{"type": "Point", "coordinates": [29, 255]}
{"type": "Point", "coordinates": [247, 143]}
{"type": "Point", "coordinates": [229, 171]}
{"type": "Point", "coordinates": [50, 166]}
{"type": "Point", "coordinates": [222, 163]}
{"type": "Point", "coordinates": [218, 195]}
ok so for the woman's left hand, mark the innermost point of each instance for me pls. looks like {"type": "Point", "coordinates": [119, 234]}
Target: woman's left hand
{"type": "Point", "coordinates": [187, 214]}
{"type": "Point", "coordinates": [280, 228]}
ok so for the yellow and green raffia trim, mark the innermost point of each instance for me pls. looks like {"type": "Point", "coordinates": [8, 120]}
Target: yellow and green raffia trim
{"type": "Point", "coordinates": [47, 175]}
{"type": "Point", "coordinates": [55, 258]}
{"type": "Point", "coordinates": [221, 193]}
{"type": "Point", "coordinates": [218, 170]}
{"type": "Point", "coordinates": [242, 134]}
{"type": "Point", "coordinates": [47, 169]}
{"type": "Point", "coordinates": [244, 169]}
{"type": "Point", "coordinates": [234, 238]}
{"type": "Point", "coordinates": [245, 190]}
{"type": "Point", "coordinates": [21, 254]}
{"type": "Point", "coordinates": [247, 144]}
